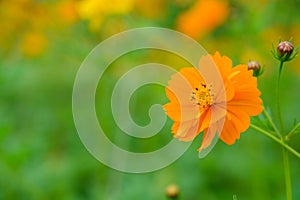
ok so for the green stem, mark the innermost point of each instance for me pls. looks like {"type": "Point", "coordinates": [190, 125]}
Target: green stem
{"type": "Point", "coordinates": [292, 132]}
{"type": "Point", "coordinates": [286, 164]}
{"type": "Point", "coordinates": [279, 141]}
{"type": "Point", "coordinates": [278, 101]}
{"type": "Point", "coordinates": [287, 174]}
{"type": "Point", "coordinates": [272, 123]}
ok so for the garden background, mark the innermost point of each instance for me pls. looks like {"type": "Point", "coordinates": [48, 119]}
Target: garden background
{"type": "Point", "coordinates": [42, 45]}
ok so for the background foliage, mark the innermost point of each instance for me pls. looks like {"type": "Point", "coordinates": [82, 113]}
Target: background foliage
{"type": "Point", "coordinates": [42, 44]}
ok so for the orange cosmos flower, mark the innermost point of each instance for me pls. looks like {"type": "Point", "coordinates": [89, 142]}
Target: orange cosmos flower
{"type": "Point", "coordinates": [203, 17]}
{"type": "Point", "coordinates": [197, 106]}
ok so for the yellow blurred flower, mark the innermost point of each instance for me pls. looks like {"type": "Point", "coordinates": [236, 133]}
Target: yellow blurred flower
{"type": "Point", "coordinates": [96, 10]}
{"type": "Point", "coordinates": [19, 16]}
{"type": "Point", "coordinates": [67, 12]}
{"type": "Point", "coordinates": [33, 44]}
{"type": "Point", "coordinates": [153, 9]}
{"type": "Point", "coordinates": [23, 23]}
{"type": "Point", "coordinates": [12, 14]}
{"type": "Point", "coordinates": [203, 17]}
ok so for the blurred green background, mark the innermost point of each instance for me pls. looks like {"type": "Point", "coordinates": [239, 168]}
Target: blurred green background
{"type": "Point", "coordinates": [42, 44]}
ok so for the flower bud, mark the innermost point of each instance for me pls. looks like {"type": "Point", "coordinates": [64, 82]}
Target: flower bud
{"type": "Point", "coordinates": [255, 67]}
{"type": "Point", "coordinates": [172, 191]}
{"type": "Point", "coordinates": [285, 49]}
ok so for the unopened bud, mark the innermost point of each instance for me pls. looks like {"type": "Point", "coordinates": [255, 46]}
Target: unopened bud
{"type": "Point", "coordinates": [255, 67]}
{"type": "Point", "coordinates": [172, 191]}
{"type": "Point", "coordinates": [285, 50]}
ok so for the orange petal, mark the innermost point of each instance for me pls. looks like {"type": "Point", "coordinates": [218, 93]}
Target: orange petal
{"type": "Point", "coordinates": [223, 63]}
{"type": "Point", "coordinates": [240, 118]}
{"type": "Point", "coordinates": [181, 113]}
{"type": "Point", "coordinates": [252, 107]}
{"type": "Point", "coordinates": [208, 136]}
{"type": "Point", "coordinates": [211, 135]}
{"type": "Point", "coordinates": [229, 133]}
{"type": "Point", "coordinates": [238, 123]}
{"type": "Point", "coordinates": [205, 119]}
{"type": "Point", "coordinates": [186, 130]}
{"type": "Point", "coordinates": [192, 75]}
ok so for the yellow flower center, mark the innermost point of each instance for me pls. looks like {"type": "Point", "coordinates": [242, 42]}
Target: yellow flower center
{"type": "Point", "coordinates": [201, 96]}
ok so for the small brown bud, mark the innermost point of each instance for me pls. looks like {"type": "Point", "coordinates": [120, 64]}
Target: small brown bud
{"type": "Point", "coordinates": [285, 49]}
{"type": "Point", "coordinates": [255, 67]}
{"type": "Point", "coordinates": [172, 191]}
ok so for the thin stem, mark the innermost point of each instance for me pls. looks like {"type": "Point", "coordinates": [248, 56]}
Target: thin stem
{"type": "Point", "coordinates": [287, 174]}
{"type": "Point", "coordinates": [286, 164]}
{"type": "Point", "coordinates": [272, 123]}
{"type": "Point", "coordinates": [278, 101]}
{"type": "Point", "coordinates": [279, 141]}
{"type": "Point", "coordinates": [280, 68]}
{"type": "Point", "coordinates": [292, 132]}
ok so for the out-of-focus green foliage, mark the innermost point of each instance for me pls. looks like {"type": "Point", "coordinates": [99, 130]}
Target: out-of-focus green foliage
{"type": "Point", "coordinates": [42, 46]}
